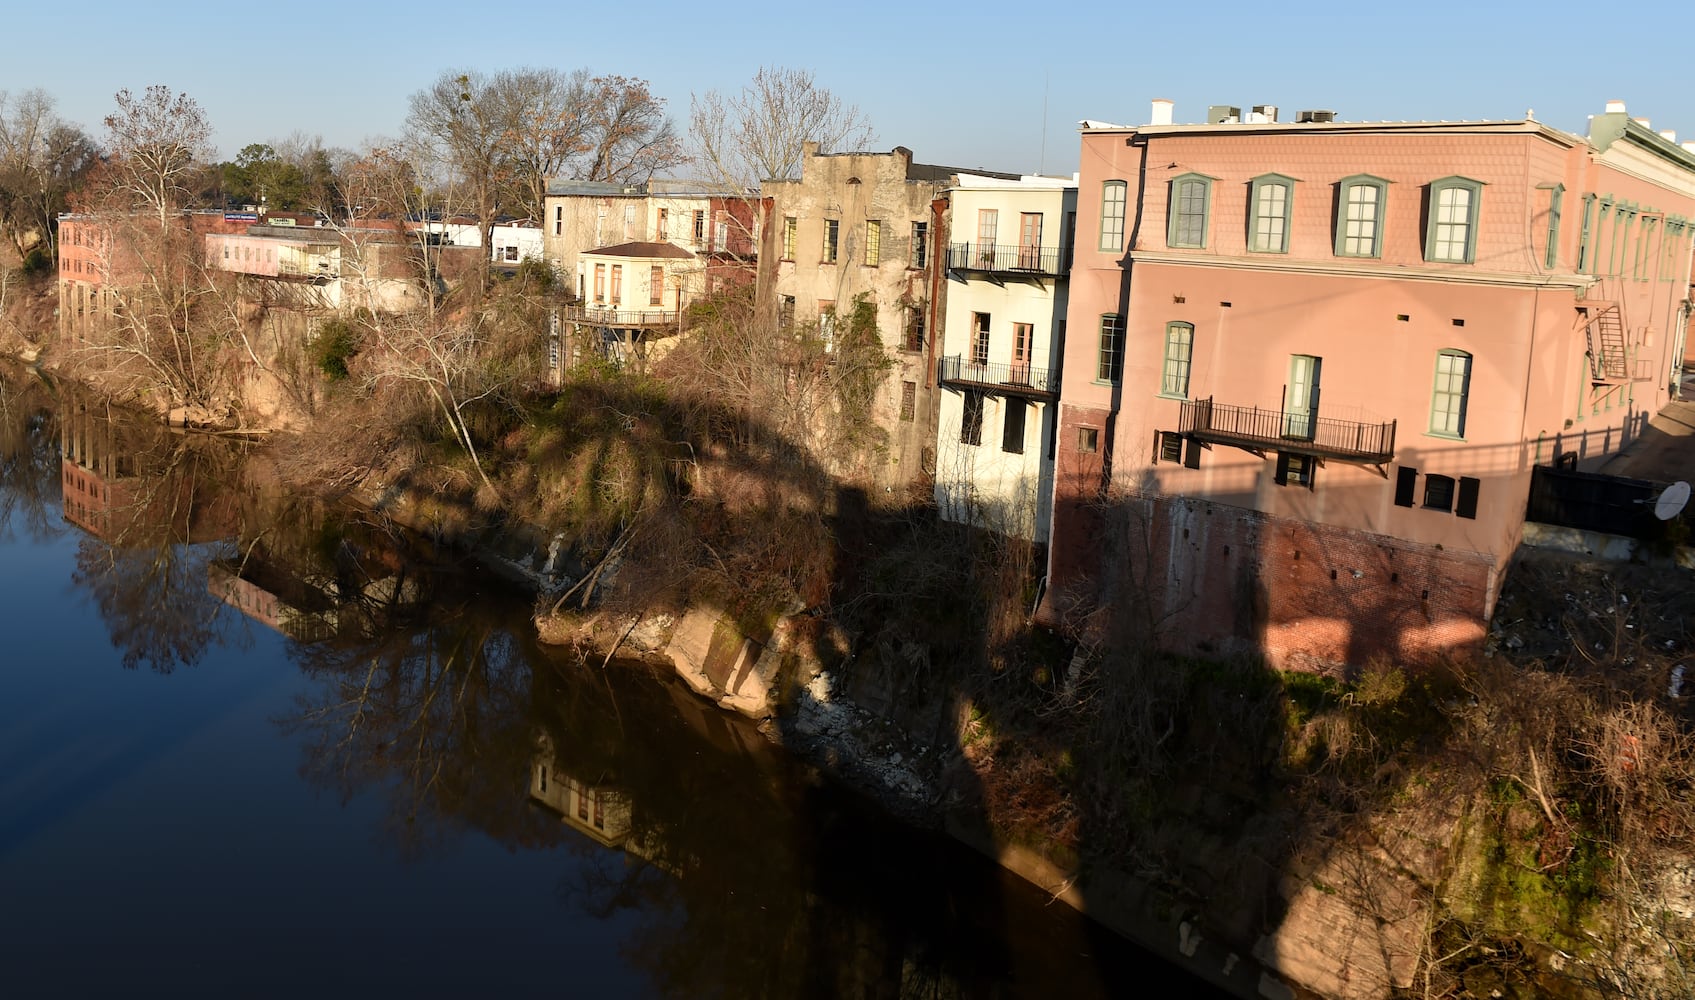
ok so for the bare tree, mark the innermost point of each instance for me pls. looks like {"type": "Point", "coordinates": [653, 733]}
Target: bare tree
{"type": "Point", "coordinates": [544, 114]}
{"type": "Point", "coordinates": [42, 157]}
{"type": "Point", "coordinates": [155, 140]}
{"type": "Point", "coordinates": [756, 133]}
{"type": "Point", "coordinates": [459, 118]}
{"type": "Point", "coordinates": [627, 135]}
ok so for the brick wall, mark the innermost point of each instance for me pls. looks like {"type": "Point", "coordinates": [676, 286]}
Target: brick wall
{"type": "Point", "coordinates": [1211, 579]}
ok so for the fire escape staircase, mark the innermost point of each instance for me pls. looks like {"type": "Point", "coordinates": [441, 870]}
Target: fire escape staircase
{"type": "Point", "coordinates": [1608, 345]}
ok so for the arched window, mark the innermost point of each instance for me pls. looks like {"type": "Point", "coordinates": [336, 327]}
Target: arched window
{"type": "Point", "coordinates": [1191, 200]}
{"type": "Point", "coordinates": [1449, 397]}
{"type": "Point", "coordinates": [1270, 201]}
{"type": "Point", "coordinates": [1360, 203]}
{"type": "Point", "coordinates": [1451, 234]}
{"type": "Point", "coordinates": [1112, 216]}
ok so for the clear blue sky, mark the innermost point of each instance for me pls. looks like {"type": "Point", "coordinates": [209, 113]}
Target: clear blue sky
{"type": "Point", "coordinates": [958, 83]}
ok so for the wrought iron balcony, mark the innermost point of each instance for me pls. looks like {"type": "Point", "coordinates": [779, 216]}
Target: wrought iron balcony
{"type": "Point", "coordinates": [1306, 433]}
{"type": "Point", "coordinates": [1000, 259]}
{"type": "Point", "coordinates": [627, 319]}
{"type": "Point", "coordinates": [1008, 380]}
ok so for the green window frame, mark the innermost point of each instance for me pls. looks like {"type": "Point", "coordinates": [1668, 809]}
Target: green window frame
{"type": "Point", "coordinates": [791, 229]}
{"type": "Point", "coordinates": [1644, 256]}
{"type": "Point", "coordinates": [1360, 204]}
{"type": "Point", "coordinates": [1179, 352]}
{"type": "Point", "coordinates": [1585, 245]}
{"type": "Point", "coordinates": [1450, 395]}
{"type": "Point", "coordinates": [1271, 200]}
{"type": "Point", "coordinates": [1113, 195]}
{"type": "Point", "coordinates": [1450, 235]}
{"type": "Point", "coordinates": [1188, 211]}
{"type": "Point", "coordinates": [1109, 363]}
{"type": "Point", "coordinates": [1551, 257]}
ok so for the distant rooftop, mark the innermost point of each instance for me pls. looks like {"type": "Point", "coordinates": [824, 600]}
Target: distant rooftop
{"type": "Point", "coordinates": [639, 249]}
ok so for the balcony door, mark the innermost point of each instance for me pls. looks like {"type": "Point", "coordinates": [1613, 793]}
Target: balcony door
{"type": "Point", "coordinates": [988, 227]}
{"type": "Point", "coordinates": [1300, 397]}
{"type": "Point", "coordinates": [980, 346]}
{"type": "Point", "coordinates": [1021, 337]}
{"type": "Point", "coordinates": [1030, 240]}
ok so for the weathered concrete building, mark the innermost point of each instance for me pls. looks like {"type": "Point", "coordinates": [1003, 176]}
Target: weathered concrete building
{"type": "Point", "coordinates": [1008, 259]}
{"type": "Point", "coordinates": [868, 224]}
{"type": "Point", "coordinates": [1311, 365]}
{"type": "Point", "coordinates": [715, 224]}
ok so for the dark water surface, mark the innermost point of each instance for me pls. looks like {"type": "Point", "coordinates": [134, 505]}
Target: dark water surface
{"type": "Point", "coordinates": [253, 747]}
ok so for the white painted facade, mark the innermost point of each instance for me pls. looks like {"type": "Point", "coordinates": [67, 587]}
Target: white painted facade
{"type": "Point", "coordinates": [1010, 244]}
{"type": "Point", "coordinates": [513, 242]}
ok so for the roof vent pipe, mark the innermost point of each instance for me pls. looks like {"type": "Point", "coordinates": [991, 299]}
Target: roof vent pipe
{"type": "Point", "coordinates": [1161, 113]}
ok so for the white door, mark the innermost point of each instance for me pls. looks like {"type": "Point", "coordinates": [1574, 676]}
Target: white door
{"type": "Point", "coordinates": [1300, 402]}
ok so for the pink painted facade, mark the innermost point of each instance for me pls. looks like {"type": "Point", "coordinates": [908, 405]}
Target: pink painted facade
{"type": "Point", "coordinates": [1307, 376]}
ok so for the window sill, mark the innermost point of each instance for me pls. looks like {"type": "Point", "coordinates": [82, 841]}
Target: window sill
{"type": "Point", "coordinates": [1442, 510]}
{"type": "Point", "coordinates": [1440, 260]}
{"type": "Point", "coordinates": [1171, 395]}
{"type": "Point", "coordinates": [1444, 437]}
{"type": "Point", "coordinates": [1104, 382]}
{"type": "Point", "coordinates": [1359, 256]}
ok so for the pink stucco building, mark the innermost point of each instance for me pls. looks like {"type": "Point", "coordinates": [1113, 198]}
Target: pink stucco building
{"type": "Point", "coordinates": [1310, 365]}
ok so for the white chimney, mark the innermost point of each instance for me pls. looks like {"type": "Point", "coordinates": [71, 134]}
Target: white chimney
{"type": "Point", "coordinates": [1688, 145]}
{"type": "Point", "coordinates": [1615, 107]}
{"type": "Point", "coordinates": [1642, 122]}
{"type": "Point", "coordinates": [1669, 135]}
{"type": "Point", "coordinates": [1161, 113]}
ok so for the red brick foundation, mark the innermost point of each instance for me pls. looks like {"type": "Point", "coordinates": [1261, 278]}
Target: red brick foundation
{"type": "Point", "coordinates": [1210, 579]}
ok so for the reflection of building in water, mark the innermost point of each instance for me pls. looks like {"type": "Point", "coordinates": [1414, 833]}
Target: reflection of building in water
{"type": "Point", "coordinates": [274, 597]}
{"type": "Point", "coordinates": [601, 813]}
{"type": "Point", "coordinates": [97, 475]}
{"type": "Point", "coordinates": [114, 491]}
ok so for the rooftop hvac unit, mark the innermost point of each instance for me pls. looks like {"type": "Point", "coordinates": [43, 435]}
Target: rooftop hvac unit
{"type": "Point", "coordinates": [1223, 114]}
{"type": "Point", "coordinates": [1315, 116]}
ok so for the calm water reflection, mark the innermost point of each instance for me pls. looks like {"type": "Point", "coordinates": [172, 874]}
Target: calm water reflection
{"type": "Point", "coordinates": [250, 746]}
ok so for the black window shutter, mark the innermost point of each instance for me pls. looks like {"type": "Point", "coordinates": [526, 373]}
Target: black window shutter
{"type": "Point", "coordinates": [1467, 505]}
{"type": "Point", "coordinates": [1192, 454]}
{"type": "Point", "coordinates": [1282, 469]}
{"type": "Point", "coordinates": [1406, 483]}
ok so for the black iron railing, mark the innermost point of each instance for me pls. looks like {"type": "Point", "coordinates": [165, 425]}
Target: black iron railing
{"type": "Point", "coordinates": [1286, 430]}
{"type": "Point", "coordinates": [1003, 259]}
{"type": "Point", "coordinates": [1019, 378]}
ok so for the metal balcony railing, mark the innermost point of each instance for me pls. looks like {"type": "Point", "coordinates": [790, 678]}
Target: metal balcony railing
{"type": "Point", "coordinates": [629, 318]}
{"type": "Point", "coordinates": [1286, 430]}
{"type": "Point", "coordinates": [1004, 259]}
{"type": "Point", "coordinates": [1017, 379]}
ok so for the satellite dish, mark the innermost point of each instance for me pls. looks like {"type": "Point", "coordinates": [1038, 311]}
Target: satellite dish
{"type": "Point", "coordinates": [1671, 502]}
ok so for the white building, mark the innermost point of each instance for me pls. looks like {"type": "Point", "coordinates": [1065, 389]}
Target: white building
{"type": "Point", "coordinates": [1009, 253]}
{"type": "Point", "coordinates": [513, 242]}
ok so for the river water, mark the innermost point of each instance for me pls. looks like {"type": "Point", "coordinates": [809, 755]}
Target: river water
{"type": "Point", "coordinates": [252, 746]}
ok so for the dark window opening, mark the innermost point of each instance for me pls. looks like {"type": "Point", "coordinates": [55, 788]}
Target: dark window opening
{"type": "Point", "coordinates": [1170, 446]}
{"type": "Point", "coordinates": [1438, 493]}
{"type": "Point", "coordinates": [1012, 440]}
{"type": "Point", "coordinates": [971, 424]}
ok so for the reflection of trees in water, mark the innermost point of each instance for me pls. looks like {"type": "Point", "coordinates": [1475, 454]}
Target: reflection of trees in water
{"type": "Point", "coordinates": [171, 513]}
{"type": "Point", "coordinates": [745, 884]}
{"type": "Point", "coordinates": [29, 457]}
{"type": "Point", "coordinates": [434, 713]}
{"type": "Point", "coordinates": [154, 601]}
